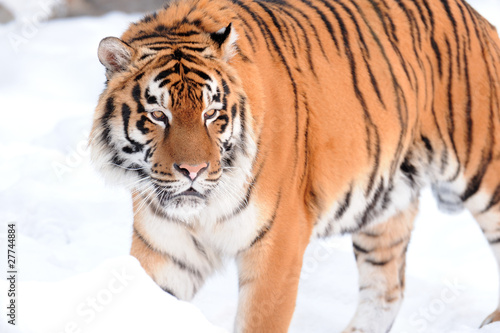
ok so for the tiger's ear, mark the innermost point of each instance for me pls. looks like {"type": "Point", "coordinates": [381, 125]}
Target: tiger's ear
{"type": "Point", "coordinates": [114, 54]}
{"type": "Point", "coordinates": [225, 41]}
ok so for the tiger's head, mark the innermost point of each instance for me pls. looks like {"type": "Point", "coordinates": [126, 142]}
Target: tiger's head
{"type": "Point", "coordinates": [173, 123]}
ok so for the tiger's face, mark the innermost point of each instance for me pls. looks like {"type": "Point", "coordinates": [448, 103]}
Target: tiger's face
{"type": "Point", "coordinates": [183, 128]}
{"type": "Point", "coordinates": [169, 124]}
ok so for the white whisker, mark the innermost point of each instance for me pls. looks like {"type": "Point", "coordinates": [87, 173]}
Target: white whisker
{"type": "Point", "coordinates": [145, 199]}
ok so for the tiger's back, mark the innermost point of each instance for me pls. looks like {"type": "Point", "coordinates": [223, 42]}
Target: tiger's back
{"type": "Point", "coordinates": [331, 115]}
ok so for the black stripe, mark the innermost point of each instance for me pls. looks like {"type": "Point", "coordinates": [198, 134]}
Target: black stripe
{"type": "Point", "coordinates": [428, 147]}
{"type": "Point", "coordinates": [444, 153]}
{"type": "Point", "coordinates": [296, 41]}
{"type": "Point", "coordinates": [430, 14]}
{"type": "Point", "coordinates": [423, 18]}
{"type": "Point", "coordinates": [495, 199]}
{"type": "Point", "coordinates": [202, 75]}
{"type": "Point", "coordinates": [494, 241]}
{"type": "Point", "coordinates": [185, 34]}
{"type": "Point", "coordinates": [468, 112]}
{"type": "Point", "coordinates": [326, 22]}
{"type": "Point", "coordinates": [140, 75]}
{"type": "Point", "coordinates": [450, 119]}
{"type": "Point", "coordinates": [475, 182]}
{"type": "Point", "coordinates": [167, 290]}
{"type": "Point", "coordinates": [350, 14]}
{"type": "Point", "coordinates": [370, 211]}
{"type": "Point", "coordinates": [360, 249]}
{"type": "Point", "coordinates": [150, 99]}
{"type": "Point", "coordinates": [415, 27]}
{"type": "Point", "coordinates": [378, 262]}
{"type": "Point", "coordinates": [305, 37]}
{"type": "Point", "coordinates": [225, 120]}
{"type": "Point", "coordinates": [427, 144]}
{"type": "Point", "coordinates": [142, 37]}
{"type": "Point", "coordinates": [155, 48]}
{"type": "Point", "coordinates": [163, 74]}
{"type": "Point", "coordinates": [374, 82]}
{"type": "Point", "coordinates": [435, 48]}
{"type": "Point", "coordinates": [455, 31]}
{"type": "Point", "coordinates": [233, 111]}
{"type": "Point", "coordinates": [148, 154]}
{"type": "Point", "coordinates": [193, 59]}
{"type": "Point", "coordinates": [276, 24]}
{"type": "Point", "coordinates": [195, 49]}
{"type": "Point", "coordinates": [306, 33]}
{"type": "Point", "coordinates": [225, 87]}
{"type": "Point", "coordinates": [108, 114]}
{"type": "Point", "coordinates": [164, 83]}
{"type": "Point", "coordinates": [137, 147]}
{"type": "Point", "coordinates": [267, 227]}
{"type": "Point", "coordinates": [365, 51]}
{"type": "Point", "coordinates": [314, 203]}
{"type": "Point", "coordinates": [465, 23]}
{"type": "Point", "coordinates": [344, 205]}
{"type": "Point", "coordinates": [199, 247]}
{"type": "Point", "coordinates": [141, 124]}
{"type": "Point", "coordinates": [136, 94]}
{"type": "Point", "coordinates": [256, 19]}
{"type": "Point", "coordinates": [409, 171]}
{"type": "Point", "coordinates": [185, 267]}
{"type": "Point", "coordinates": [179, 263]}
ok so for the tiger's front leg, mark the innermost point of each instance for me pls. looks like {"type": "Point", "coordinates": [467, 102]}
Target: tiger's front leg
{"type": "Point", "coordinates": [269, 272]}
{"type": "Point", "coordinates": [170, 254]}
{"type": "Point", "coordinates": [380, 252]}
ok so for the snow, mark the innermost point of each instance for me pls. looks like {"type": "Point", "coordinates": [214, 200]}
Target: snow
{"type": "Point", "coordinates": [74, 232]}
{"type": "Point", "coordinates": [116, 290]}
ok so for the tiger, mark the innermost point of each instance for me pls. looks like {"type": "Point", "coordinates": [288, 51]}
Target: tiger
{"type": "Point", "coordinates": [246, 128]}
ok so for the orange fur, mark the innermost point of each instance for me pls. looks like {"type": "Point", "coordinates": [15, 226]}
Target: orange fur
{"type": "Point", "coordinates": [351, 106]}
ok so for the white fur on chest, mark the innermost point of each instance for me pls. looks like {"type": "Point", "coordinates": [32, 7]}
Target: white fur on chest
{"type": "Point", "coordinates": [218, 239]}
{"type": "Point", "coordinates": [234, 234]}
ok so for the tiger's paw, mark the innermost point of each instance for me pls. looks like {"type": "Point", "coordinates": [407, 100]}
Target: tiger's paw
{"type": "Point", "coordinates": [495, 316]}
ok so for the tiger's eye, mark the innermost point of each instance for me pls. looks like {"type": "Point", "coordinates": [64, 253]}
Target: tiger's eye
{"type": "Point", "coordinates": [158, 115]}
{"type": "Point", "coordinates": [210, 114]}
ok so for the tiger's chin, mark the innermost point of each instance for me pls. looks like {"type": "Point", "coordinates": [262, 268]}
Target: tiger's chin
{"type": "Point", "coordinates": [185, 208]}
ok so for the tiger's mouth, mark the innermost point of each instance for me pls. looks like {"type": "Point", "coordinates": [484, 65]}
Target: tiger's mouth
{"type": "Point", "coordinates": [166, 198]}
{"type": "Point", "coordinates": [190, 192]}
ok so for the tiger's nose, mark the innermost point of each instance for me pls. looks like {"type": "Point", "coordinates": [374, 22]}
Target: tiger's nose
{"type": "Point", "coordinates": [191, 171]}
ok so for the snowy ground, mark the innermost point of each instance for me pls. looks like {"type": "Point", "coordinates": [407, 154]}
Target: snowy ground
{"type": "Point", "coordinates": [74, 232]}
